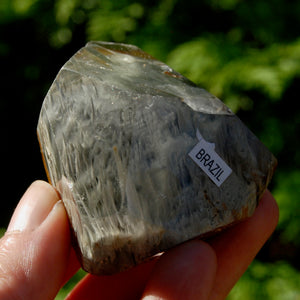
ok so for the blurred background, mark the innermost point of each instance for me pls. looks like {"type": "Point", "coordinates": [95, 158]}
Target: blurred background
{"type": "Point", "coordinates": [247, 53]}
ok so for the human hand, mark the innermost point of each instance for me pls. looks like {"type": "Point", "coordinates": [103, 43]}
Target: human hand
{"type": "Point", "coordinates": [36, 257]}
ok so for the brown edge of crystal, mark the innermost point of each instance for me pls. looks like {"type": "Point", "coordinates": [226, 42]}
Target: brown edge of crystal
{"type": "Point", "coordinates": [74, 240]}
{"type": "Point", "coordinates": [44, 160]}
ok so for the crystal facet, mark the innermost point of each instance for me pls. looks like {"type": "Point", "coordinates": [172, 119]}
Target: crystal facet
{"type": "Point", "coordinates": [143, 158]}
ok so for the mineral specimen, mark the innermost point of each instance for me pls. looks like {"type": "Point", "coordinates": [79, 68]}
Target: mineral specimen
{"type": "Point", "coordinates": [143, 158]}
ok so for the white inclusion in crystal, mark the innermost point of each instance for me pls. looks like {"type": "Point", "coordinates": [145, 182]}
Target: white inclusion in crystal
{"type": "Point", "coordinates": [127, 58]}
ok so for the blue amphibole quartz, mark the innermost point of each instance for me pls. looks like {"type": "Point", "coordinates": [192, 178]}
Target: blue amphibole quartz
{"type": "Point", "coordinates": [134, 149]}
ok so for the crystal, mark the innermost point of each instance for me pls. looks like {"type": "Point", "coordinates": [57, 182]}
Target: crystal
{"type": "Point", "coordinates": [143, 158]}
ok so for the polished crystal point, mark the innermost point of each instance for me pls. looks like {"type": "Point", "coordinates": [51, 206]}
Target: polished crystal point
{"type": "Point", "coordinates": [143, 158]}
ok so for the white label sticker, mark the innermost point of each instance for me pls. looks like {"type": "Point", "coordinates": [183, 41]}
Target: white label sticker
{"type": "Point", "coordinates": [204, 155]}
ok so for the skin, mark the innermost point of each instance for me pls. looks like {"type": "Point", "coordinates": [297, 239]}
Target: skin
{"type": "Point", "coordinates": [36, 257]}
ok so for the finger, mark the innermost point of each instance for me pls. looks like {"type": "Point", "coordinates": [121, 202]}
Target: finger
{"type": "Point", "coordinates": [236, 247]}
{"type": "Point", "coordinates": [184, 272]}
{"type": "Point", "coordinates": [127, 285]}
{"type": "Point", "coordinates": [35, 250]}
{"type": "Point", "coordinates": [30, 213]}
{"type": "Point", "coordinates": [73, 266]}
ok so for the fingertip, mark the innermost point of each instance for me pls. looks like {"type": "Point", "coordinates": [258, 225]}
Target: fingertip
{"type": "Point", "coordinates": [237, 246]}
{"type": "Point", "coordinates": [130, 283]}
{"type": "Point", "coordinates": [269, 207]}
{"type": "Point", "coordinates": [184, 272]}
{"type": "Point", "coordinates": [34, 207]}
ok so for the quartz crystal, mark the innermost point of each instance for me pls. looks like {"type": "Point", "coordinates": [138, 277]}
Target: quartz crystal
{"type": "Point", "coordinates": [143, 158]}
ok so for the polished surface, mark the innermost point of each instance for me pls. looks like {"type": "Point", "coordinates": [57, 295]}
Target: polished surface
{"type": "Point", "coordinates": [143, 158]}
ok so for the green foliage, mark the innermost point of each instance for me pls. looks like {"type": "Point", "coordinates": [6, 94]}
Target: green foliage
{"type": "Point", "coordinates": [229, 69]}
{"type": "Point", "coordinates": [278, 281]}
{"type": "Point", "coordinates": [12, 9]}
{"type": "Point", "coordinates": [2, 231]}
{"type": "Point", "coordinates": [287, 196]}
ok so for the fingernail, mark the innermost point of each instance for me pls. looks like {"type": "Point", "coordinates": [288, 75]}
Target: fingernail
{"type": "Point", "coordinates": [34, 207]}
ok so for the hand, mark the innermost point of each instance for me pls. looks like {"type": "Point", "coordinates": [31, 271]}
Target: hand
{"type": "Point", "coordinates": [36, 257]}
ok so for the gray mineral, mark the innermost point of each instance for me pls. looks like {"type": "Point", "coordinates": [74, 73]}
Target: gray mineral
{"type": "Point", "coordinates": [143, 158]}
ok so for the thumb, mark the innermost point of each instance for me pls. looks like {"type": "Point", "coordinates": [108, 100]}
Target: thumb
{"type": "Point", "coordinates": [34, 251]}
